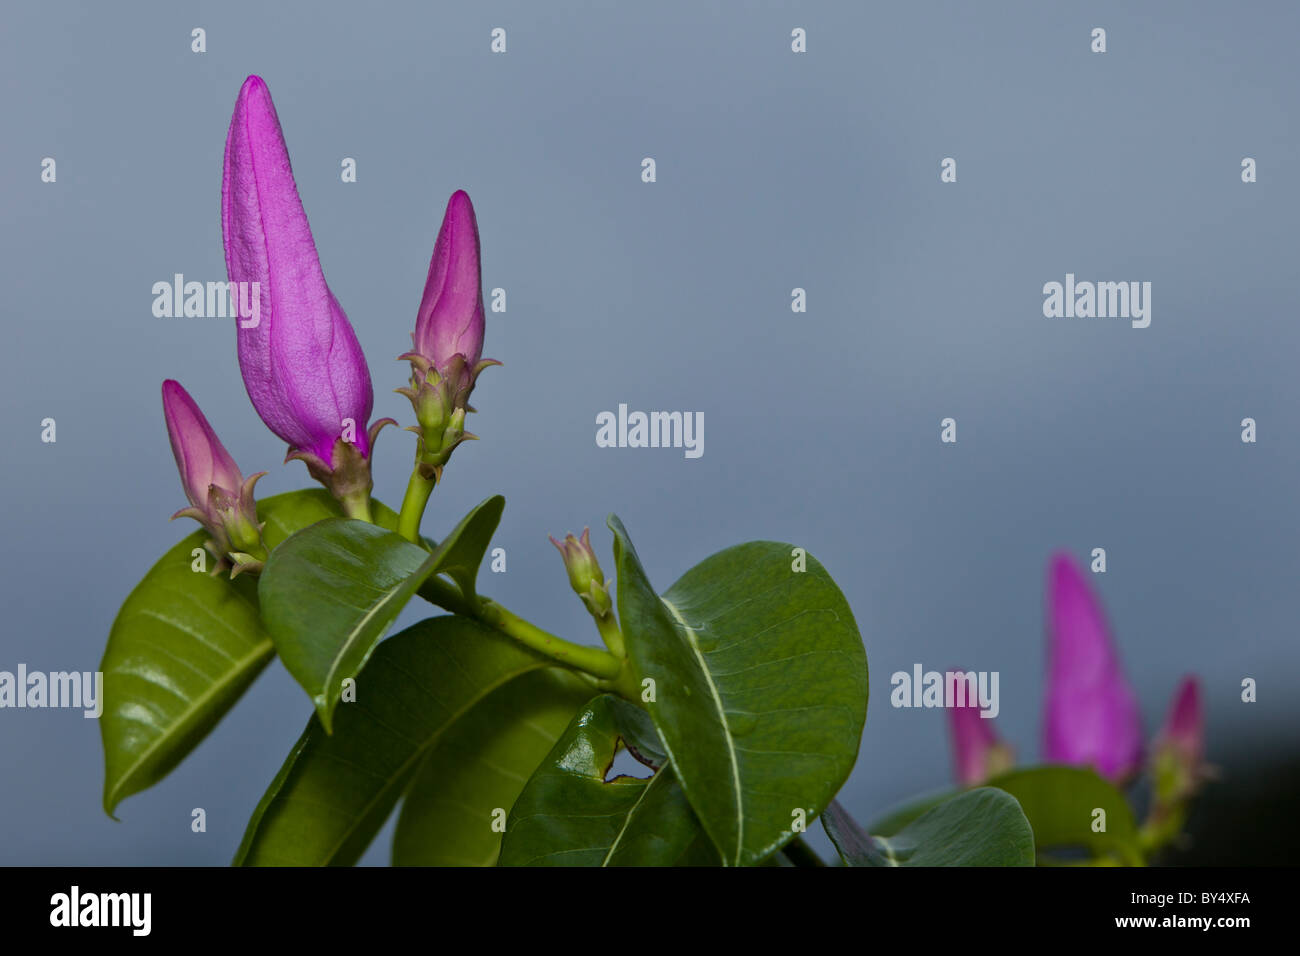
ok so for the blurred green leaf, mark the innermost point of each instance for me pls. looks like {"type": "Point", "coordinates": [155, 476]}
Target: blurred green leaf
{"type": "Point", "coordinates": [1060, 803]}
{"type": "Point", "coordinates": [980, 827]}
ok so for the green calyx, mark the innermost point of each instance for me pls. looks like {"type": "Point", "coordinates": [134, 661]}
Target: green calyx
{"type": "Point", "coordinates": [440, 398]}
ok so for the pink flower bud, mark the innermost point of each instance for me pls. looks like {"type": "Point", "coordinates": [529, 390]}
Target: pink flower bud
{"type": "Point", "coordinates": [1092, 715]}
{"type": "Point", "coordinates": [1178, 752]}
{"type": "Point", "coordinates": [450, 320]}
{"type": "Point", "coordinates": [977, 752]}
{"type": "Point", "coordinates": [301, 362]}
{"type": "Point", "coordinates": [221, 499]}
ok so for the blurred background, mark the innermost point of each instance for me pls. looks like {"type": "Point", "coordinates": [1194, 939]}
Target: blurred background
{"type": "Point", "coordinates": [775, 170]}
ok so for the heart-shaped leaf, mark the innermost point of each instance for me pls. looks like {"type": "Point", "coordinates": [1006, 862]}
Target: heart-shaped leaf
{"type": "Point", "coordinates": [453, 811]}
{"type": "Point", "coordinates": [980, 827]}
{"type": "Point", "coordinates": [760, 686]}
{"type": "Point", "coordinates": [184, 648]}
{"type": "Point", "coordinates": [330, 592]}
{"type": "Point", "coordinates": [334, 792]}
{"type": "Point", "coordinates": [570, 815]}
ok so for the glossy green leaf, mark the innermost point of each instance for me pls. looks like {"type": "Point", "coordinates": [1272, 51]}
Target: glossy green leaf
{"type": "Point", "coordinates": [570, 815]}
{"type": "Point", "coordinates": [1059, 802]}
{"type": "Point", "coordinates": [330, 592]}
{"type": "Point", "coordinates": [184, 648]}
{"type": "Point", "coordinates": [980, 827]}
{"type": "Point", "coordinates": [334, 792]}
{"type": "Point", "coordinates": [477, 768]}
{"type": "Point", "coordinates": [760, 684]}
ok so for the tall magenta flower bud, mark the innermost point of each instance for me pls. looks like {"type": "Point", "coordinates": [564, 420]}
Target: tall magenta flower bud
{"type": "Point", "coordinates": [977, 752]}
{"type": "Point", "coordinates": [1092, 715]}
{"type": "Point", "coordinates": [301, 362]}
{"type": "Point", "coordinates": [221, 499]}
{"type": "Point", "coordinates": [1178, 752]}
{"type": "Point", "coordinates": [447, 344]}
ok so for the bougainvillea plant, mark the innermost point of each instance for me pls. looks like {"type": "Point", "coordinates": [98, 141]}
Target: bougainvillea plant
{"type": "Point", "coordinates": [741, 689]}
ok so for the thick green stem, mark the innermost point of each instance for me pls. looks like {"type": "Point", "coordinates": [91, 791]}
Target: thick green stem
{"type": "Point", "coordinates": [357, 506]}
{"type": "Point", "coordinates": [448, 597]}
{"type": "Point", "coordinates": [590, 659]}
{"type": "Point", "coordinates": [612, 673]}
{"type": "Point", "coordinates": [418, 490]}
{"type": "Point", "coordinates": [610, 634]}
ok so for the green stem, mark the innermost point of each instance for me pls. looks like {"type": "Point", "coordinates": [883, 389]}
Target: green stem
{"type": "Point", "coordinates": [611, 635]}
{"type": "Point", "coordinates": [612, 672]}
{"type": "Point", "coordinates": [1162, 826]}
{"type": "Point", "coordinates": [799, 853]}
{"type": "Point", "coordinates": [448, 597]}
{"type": "Point", "coordinates": [593, 660]}
{"type": "Point", "coordinates": [357, 506]}
{"type": "Point", "coordinates": [418, 490]}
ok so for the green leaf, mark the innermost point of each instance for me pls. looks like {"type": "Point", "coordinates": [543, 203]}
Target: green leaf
{"type": "Point", "coordinates": [334, 792]}
{"type": "Point", "coordinates": [330, 593]}
{"type": "Point", "coordinates": [980, 827]}
{"type": "Point", "coordinates": [478, 767]}
{"type": "Point", "coordinates": [183, 649]}
{"type": "Point", "coordinates": [760, 686]}
{"type": "Point", "coordinates": [900, 815]}
{"type": "Point", "coordinates": [1059, 802]}
{"type": "Point", "coordinates": [570, 815]}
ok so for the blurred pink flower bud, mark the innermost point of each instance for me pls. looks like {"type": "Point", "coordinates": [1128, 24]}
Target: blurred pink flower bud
{"type": "Point", "coordinates": [1092, 715]}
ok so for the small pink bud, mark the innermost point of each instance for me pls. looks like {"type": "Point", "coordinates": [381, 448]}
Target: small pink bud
{"type": "Point", "coordinates": [221, 499]}
{"type": "Point", "coordinates": [1178, 752]}
{"type": "Point", "coordinates": [977, 752]}
{"type": "Point", "coordinates": [585, 576]}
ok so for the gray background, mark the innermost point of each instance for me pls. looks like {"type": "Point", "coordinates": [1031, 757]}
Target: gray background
{"type": "Point", "coordinates": [775, 170]}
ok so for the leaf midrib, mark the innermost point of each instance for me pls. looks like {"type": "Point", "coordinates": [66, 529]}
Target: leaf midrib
{"type": "Point", "coordinates": [260, 654]}
{"type": "Point", "coordinates": [722, 719]}
{"type": "Point", "coordinates": [337, 661]}
{"type": "Point", "coordinates": [421, 752]}
{"type": "Point", "coordinates": [627, 820]}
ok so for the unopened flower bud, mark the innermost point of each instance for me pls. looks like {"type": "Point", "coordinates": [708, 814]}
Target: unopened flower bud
{"type": "Point", "coordinates": [977, 752]}
{"type": "Point", "coordinates": [448, 338]}
{"type": "Point", "coordinates": [585, 576]}
{"type": "Point", "coordinates": [221, 499]}
{"type": "Point", "coordinates": [301, 362]}
{"type": "Point", "coordinates": [1092, 716]}
{"type": "Point", "coordinates": [1178, 752]}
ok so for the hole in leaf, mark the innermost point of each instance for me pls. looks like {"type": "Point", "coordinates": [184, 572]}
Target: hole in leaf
{"type": "Point", "coordinates": [625, 764]}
